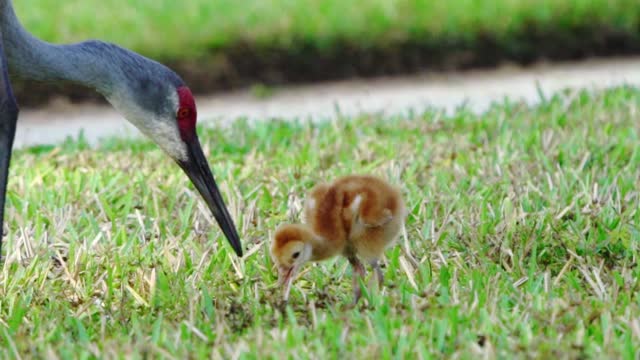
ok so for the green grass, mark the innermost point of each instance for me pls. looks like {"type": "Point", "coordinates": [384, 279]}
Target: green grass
{"type": "Point", "coordinates": [181, 29]}
{"type": "Point", "coordinates": [524, 222]}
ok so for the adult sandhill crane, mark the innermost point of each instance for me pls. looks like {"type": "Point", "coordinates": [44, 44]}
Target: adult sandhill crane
{"type": "Point", "coordinates": [148, 94]}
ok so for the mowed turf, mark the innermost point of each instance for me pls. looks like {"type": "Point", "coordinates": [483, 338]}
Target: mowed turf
{"type": "Point", "coordinates": [523, 222]}
{"type": "Point", "coordinates": [226, 44]}
{"type": "Point", "coordinates": [178, 30]}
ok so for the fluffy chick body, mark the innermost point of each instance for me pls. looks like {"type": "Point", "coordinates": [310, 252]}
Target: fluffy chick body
{"type": "Point", "coordinates": [357, 216]}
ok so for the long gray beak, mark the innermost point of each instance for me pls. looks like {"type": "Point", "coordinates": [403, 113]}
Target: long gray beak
{"type": "Point", "coordinates": [198, 171]}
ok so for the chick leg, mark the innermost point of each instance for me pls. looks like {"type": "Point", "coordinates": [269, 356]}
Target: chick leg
{"type": "Point", "coordinates": [375, 264]}
{"type": "Point", "coordinates": [358, 272]}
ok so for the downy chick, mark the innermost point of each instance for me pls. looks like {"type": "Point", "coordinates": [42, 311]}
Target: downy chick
{"type": "Point", "coordinates": [357, 216]}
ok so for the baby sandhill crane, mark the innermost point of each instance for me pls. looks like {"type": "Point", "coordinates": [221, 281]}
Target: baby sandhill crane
{"type": "Point", "coordinates": [357, 216]}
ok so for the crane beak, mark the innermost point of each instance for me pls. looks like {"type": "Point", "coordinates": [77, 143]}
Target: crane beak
{"type": "Point", "coordinates": [198, 171]}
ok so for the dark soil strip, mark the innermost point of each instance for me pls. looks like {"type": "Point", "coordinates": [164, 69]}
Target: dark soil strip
{"type": "Point", "coordinates": [244, 65]}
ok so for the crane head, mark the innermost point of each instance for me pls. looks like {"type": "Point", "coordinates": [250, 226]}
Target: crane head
{"type": "Point", "coordinates": [195, 165]}
{"type": "Point", "coordinates": [165, 111]}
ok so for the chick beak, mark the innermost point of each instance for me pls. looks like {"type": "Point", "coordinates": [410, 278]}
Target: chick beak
{"type": "Point", "coordinates": [197, 169]}
{"type": "Point", "coordinates": [285, 279]}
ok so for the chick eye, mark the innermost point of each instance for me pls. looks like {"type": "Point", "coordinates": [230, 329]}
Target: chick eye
{"type": "Point", "coordinates": [183, 112]}
{"type": "Point", "coordinates": [296, 254]}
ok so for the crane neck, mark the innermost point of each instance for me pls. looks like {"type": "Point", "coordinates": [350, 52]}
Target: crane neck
{"type": "Point", "coordinates": [32, 58]}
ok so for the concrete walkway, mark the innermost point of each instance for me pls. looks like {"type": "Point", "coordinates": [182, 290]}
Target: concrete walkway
{"type": "Point", "coordinates": [319, 101]}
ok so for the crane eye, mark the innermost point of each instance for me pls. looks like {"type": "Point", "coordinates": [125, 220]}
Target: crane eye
{"type": "Point", "coordinates": [296, 254]}
{"type": "Point", "coordinates": [183, 112]}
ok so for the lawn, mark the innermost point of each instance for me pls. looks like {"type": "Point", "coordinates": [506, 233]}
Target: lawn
{"type": "Point", "coordinates": [226, 44]}
{"type": "Point", "coordinates": [179, 30]}
{"type": "Point", "coordinates": [524, 222]}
